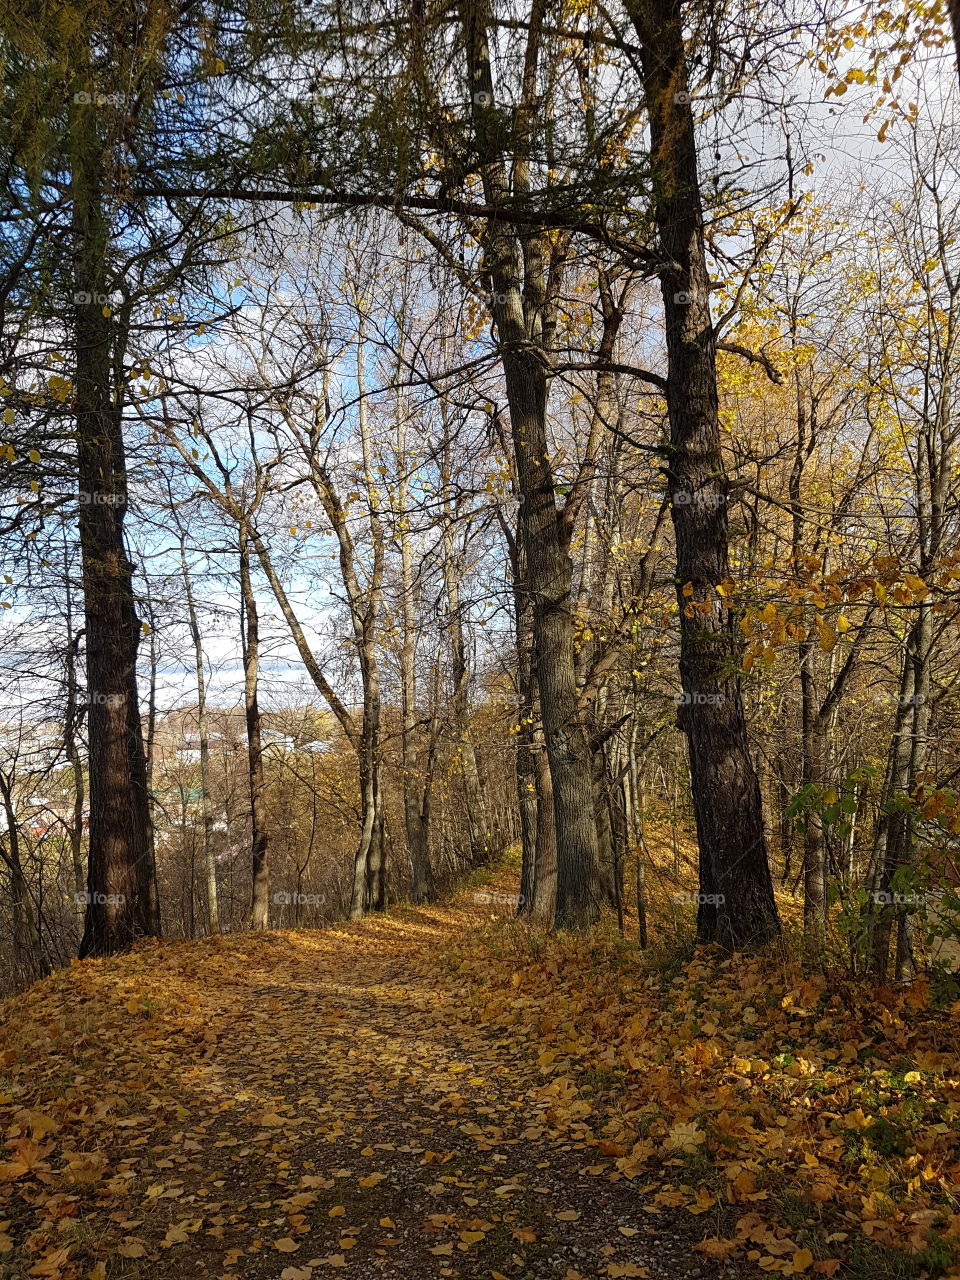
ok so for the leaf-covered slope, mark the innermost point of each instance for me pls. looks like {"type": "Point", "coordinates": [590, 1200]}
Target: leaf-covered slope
{"type": "Point", "coordinates": [451, 1096]}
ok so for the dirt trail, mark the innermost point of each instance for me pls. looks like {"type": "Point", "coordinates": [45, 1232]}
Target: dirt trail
{"type": "Point", "coordinates": [326, 1107]}
{"type": "Point", "coordinates": [368, 1077]}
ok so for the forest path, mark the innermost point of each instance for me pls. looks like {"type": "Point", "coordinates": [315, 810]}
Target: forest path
{"type": "Point", "coordinates": [288, 1106]}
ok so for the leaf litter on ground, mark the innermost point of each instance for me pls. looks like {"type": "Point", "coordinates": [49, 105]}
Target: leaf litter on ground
{"type": "Point", "coordinates": [449, 1095]}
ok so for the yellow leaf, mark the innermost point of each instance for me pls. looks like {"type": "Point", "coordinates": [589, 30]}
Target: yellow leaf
{"type": "Point", "coordinates": [684, 1137]}
{"type": "Point", "coordinates": [802, 1260]}
{"type": "Point", "coordinates": [286, 1245]}
{"type": "Point", "coordinates": [131, 1248]}
{"type": "Point", "coordinates": [41, 1124]}
{"type": "Point", "coordinates": [716, 1248]}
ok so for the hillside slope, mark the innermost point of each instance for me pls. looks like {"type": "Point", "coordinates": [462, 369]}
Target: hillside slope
{"type": "Point", "coordinates": [446, 1095]}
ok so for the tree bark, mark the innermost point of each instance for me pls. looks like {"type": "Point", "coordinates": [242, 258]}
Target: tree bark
{"type": "Point", "coordinates": [121, 903]}
{"type": "Point", "coordinates": [29, 959]}
{"type": "Point", "coordinates": [415, 794]}
{"type": "Point", "coordinates": [737, 907]}
{"type": "Point", "coordinates": [72, 718]}
{"type": "Point", "coordinates": [209, 862]}
{"type": "Point", "coordinates": [520, 305]}
{"type": "Point", "coordinates": [250, 632]}
{"type": "Point", "coordinates": [477, 817]}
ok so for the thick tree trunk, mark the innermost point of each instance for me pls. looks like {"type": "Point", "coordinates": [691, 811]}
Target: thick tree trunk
{"type": "Point", "coordinates": [521, 308]}
{"type": "Point", "coordinates": [737, 905]}
{"type": "Point", "coordinates": [250, 631]}
{"type": "Point", "coordinates": [121, 898]}
{"type": "Point", "coordinates": [538, 874]}
{"type": "Point", "coordinates": [368, 855]}
{"type": "Point", "coordinates": [550, 578]}
{"type": "Point", "coordinates": [545, 875]}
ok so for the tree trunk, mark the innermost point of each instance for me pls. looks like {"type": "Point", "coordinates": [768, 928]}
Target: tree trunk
{"type": "Point", "coordinates": [896, 834]}
{"type": "Point", "coordinates": [121, 902]}
{"type": "Point", "coordinates": [477, 817]}
{"type": "Point", "coordinates": [545, 875]}
{"type": "Point", "coordinates": [29, 959]}
{"type": "Point", "coordinates": [250, 631]}
{"type": "Point", "coordinates": [209, 862]}
{"type": "Point", "coordinates": [521, 307]}
{"type": "Point", "coordinates": [72, 717]}
{"type": "Point", "coordinates": [415, 813]}
{"type": "Point", "coordinates": [737, 906]}
{"type": "Point", "coordinates": [814, 846]}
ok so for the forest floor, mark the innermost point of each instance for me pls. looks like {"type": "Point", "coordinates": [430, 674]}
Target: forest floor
{"type": "Point", "coordinates": [443, 1093]}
